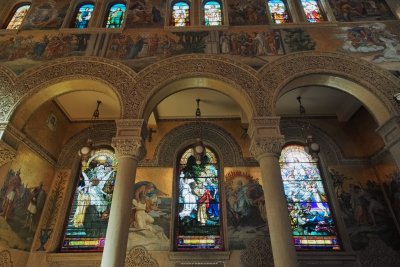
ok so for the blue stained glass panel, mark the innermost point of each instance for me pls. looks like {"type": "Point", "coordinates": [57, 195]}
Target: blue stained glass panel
{"type": "Point", "coordinates": [116, 16]}
{"type": "Point", "coordinates": [313, 227]}
{"type": "Point", "coordinates": [312, 10]}
{"type": "Point", "coordinates": [83, 16]}
{"type": "Point", "coordinates": [198, 214]}
{"type": "Point", "coordinates": [88, 219]}
{"type": "Point", "coordinates": [212, 13]}
{"type": "Point", "coordinates": [180, 14]}
{"type": "Point", "coordinates": [278, 12]}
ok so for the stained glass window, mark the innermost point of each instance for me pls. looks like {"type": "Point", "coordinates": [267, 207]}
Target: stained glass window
{"type": "Point", "coordinates": [18, 17]}
{"type": "Point", "coordinates": [198, 220]}
{"type": "Point", "coordinates": [116, 16]}
{"type": "Point", "coordinates": [83, 16]}
{"type": "Point", "coordinates": [278, 12]}
{"type": "Point", "coordinates": [180, 14]}
{"type": "Point", "coordinates": [212, 13]}
{"type": "Point", "coordinates": [87, 222]}
{"type": "Point", "coordinates": [311, 219]}
{"type": "Point", "coordinates": [312, 10]}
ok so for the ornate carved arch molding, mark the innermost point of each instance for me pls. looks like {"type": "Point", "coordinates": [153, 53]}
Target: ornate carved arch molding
{"type": "Point", "coordinates": [8, 94]}
{"type": "Point", "coordinates": [101, 135]}
{"type": "Point", "coordinates": [331, 151]}
{"type": "Point", "coordinates": [240, 76]}
{"type": "Point", "coordinates": [226, 146]}
{"type": "Point", "coordinates": [116, 75]}
{"type": "Point", "coordinates": [378, 81]}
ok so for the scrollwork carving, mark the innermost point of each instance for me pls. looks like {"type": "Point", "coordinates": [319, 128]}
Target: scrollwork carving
{"type": "Point", "coordinates": [5, 259]}
{"type": "Point", "coordinates": [138, 256]}
{"type": "Point", "coordinates": [7, 153]}
{"type": "Point", "coordinates": [129, 147]}
{"type": "Point", "coordinates": [266, 145]}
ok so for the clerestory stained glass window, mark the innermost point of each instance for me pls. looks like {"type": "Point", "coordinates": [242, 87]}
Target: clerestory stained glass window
{"type": "Point", "coordinates": [180, 14]}
{"type": "Point", "coordinates": [212, 13]}
{"type": "Point", "coordinates": [116, 16]}
{"type": "Point", "coordinates": [312, 223]}
{"type": "Point", "coordinates": [198, 219]}
{"type": "Point", "coordinates": [83, 16]}
{"type": "Point", "coordinates": [312, 10]}
{"type": "Point", "coordinates": [278, 11]}
{"type": "Point", "coordinates": [18, 17]}
{"type": "Point", "coordinates": [88, 219]}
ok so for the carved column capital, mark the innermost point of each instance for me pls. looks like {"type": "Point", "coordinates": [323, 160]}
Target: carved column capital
{"type": "Point", "coordinates": [7, 153]}
{"type": "Point", "coordinates": [129, 141]}
{"type": "Point", "coordinates": [265, 135]}
{"type": "Point", "coordinates": [390, 131]}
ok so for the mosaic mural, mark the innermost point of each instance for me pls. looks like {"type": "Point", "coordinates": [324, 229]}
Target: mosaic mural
{"type": "Point", "coordinates": [358, 10]}
{"type": "Point", "coordinates": [22, 198]}
{"type": "Point", "coordinates": [246, 213]}
{"type": "Point", "coordinates": [46, 14]}
{"type": "Point", "coordinates": [150, 218]}
{"type": "Point", "coordinates": [251, 12]}
{"type": "Point", "coordinates": [371, 210]}
{"type": "Point", "coordinates": [142, 13]}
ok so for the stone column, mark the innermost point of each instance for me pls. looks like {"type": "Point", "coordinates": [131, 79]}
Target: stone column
{"type": "Point", "coordinates": [129, 149]}
{"type": "Point", "coordinates": [390, 132]}
{"type": "Point", "coordinates": [266, 145]}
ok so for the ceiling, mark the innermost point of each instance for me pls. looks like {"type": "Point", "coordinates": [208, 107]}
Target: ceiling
{"type": "Point", "coordinates": [317, 100]}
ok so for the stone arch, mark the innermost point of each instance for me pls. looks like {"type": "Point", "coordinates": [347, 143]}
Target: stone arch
{"type": "Point", "coordinates": [239, 81]}
{"type": "Point", "coordinates": [219, 139]}
{"type": "Point", "coordinates": [101, 135]}
{"type": "Point", "coordinates": [376, 82]}
{"type": "Point", "coordinates": [8, 93]}
{"type": "Point", "coordinates": [38, 85]}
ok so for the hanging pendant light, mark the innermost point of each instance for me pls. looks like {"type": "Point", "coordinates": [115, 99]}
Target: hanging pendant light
{"type": "Point", "coordinates": [198, 146]}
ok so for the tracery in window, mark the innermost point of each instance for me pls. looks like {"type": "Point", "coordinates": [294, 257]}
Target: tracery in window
{"type": "Point", "coordinates": [312, 10]}
{"type": "Point", "coordinates": [278, 11]}
{"type": "Point", "coordinates": [198, 220]}
{"type": "Point", "coordinates": [18, 17]}
{"type": "Point", "coordinates": [87, 222]}
{"type": "Point", "coordinates": [83, 16]}
{"type": "Point", "coordinates": [212, 13]}
{"type": "Point", "coordinates": [180, 14]}
{"type": "Point", "coordinates": [116, 16]}
{"type": "Point", "coordinates": [312, 223]}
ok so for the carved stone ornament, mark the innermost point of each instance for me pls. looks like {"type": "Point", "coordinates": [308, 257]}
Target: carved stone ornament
{"type": "Point", "coordinates": [7, 153]}
{"type": "Point", "coordinates": [129, 147]}
{"type": "Point", "coordinates": [138, 256]}
{"type": "Point", "coordinates": [390, 131]}
{"type": "Point", "coordinates": [5, 259]}
{"type": "Point", "coordinates": [266, 145]}
{"type": "Point", "coordinates": [257, 254]}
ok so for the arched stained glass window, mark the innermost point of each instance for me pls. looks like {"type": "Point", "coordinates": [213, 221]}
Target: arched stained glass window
{"type": "Point", "coordinates": [18, 17]}
{"type": "Point", "coordinates": [198, 219]}
{"type": "Point", "coordinates": [312, 10]}
{"type": "Point", "coordinates": [83, 16]}
{"type": "Point", "coordinates": [278, 11]}
{"type": "Point", "coordinates": [311, 219]}
{"type": "Point", "coordinates": [116, 16]}
{"type": "Point", "coordinates": [212, 13]}
{"type": "Point", "coordinates": [180, 14]}
{"type": "Point", "coordinates": [88, 219]}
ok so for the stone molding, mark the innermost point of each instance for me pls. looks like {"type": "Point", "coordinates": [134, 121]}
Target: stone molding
{"type": "Point", "coordinates": [265, 136]}
{"type": "Point", "coordinates": [138, 256]}
{"type": "Point", "coordinates": [74, 259]}
{"type": "Point", "coordinates": [390, 131]}
{"type": "Point", "coordinates": [223, 142]}
{"type": "Point", "coordinates": [277, 74]}
{"type": "Point", "coordinates": [7, 153]}
{"type": "Point", "coordinates": [5, 259]}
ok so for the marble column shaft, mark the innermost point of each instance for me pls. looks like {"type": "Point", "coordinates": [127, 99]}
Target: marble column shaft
{"type": "Point", "coordinates": [129, 150]}
{"type": "Point", "coordinates": [266, 145]}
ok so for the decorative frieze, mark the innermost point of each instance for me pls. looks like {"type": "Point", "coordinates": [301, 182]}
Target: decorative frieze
{"type": "Point", "coordinates": [7, 153]}
{"type": "Point", "coordinates": [138, 256]}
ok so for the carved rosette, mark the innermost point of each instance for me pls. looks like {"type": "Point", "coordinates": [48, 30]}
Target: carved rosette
{"type": "Point", "coordinates": [138, 256]}
{"type": "Point", "coordinates": [129, 147]}
{"type": "Point", "coordinates": [7, 153]}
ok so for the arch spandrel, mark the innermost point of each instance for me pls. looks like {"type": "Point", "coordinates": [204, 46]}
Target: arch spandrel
{"type": "Point", "coordinates": [379, 83]}
{"type": "Point", "coordinates": [239, 77]}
